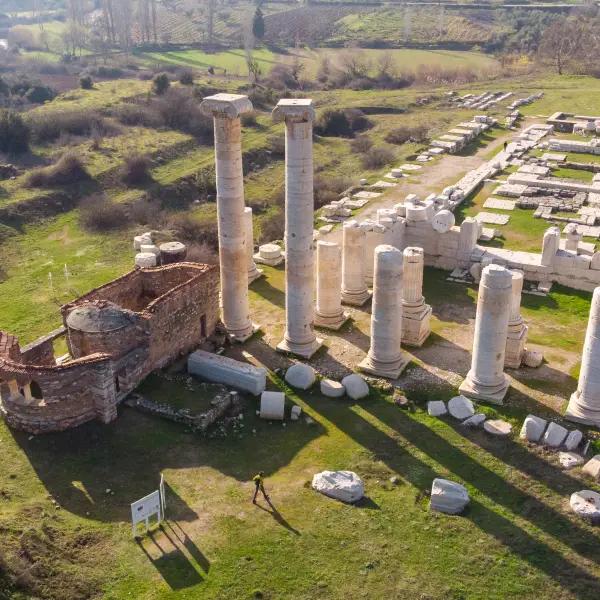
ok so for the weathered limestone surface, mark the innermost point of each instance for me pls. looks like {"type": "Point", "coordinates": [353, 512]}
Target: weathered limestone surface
{"type": "Point", "coordinates": [221, 369]}
{"type": "Point", "coordinates": [346, 486]}
{"type": "Point", "coordinates": [328, 312]}
{"type": "Point", "coordinates": [272, 405]}
{"type": "Point", "coordinates": [354, 286]}
{"type": "Point", "coordinates": [253, 271]}
{"type": "Point", "coordinates": [448, 496]}
{"type": "Point", "coordinates": [416, 315]}
{"type": "Point", "coordinates": [584, 405]}
{"type": "Point", "coordinates": [517, 330]}
{"type": "Point", "coordinates": [374, 236]}
{"type": "Point", "coordinates": [533, 428]}
{"type": "Point", "coordinates": [299, 337]}
{"type": "Point", "coordinates": [233, 255]}
{"type": "Point", "coordinates": [486, 379]}
{"type": "Point", "coordinates": [385, 357]}
{"type": "Point", "coordinates": [356, 387]}
{"type": "Point", "coordinates": [301, 376]}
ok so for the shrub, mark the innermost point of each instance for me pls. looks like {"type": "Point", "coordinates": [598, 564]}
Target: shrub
{"type": "Point", "coordinates": [98, 214]}
{"type": "Point", "coordinates": [186, 77]}
{"type": "Point", "coordinates": [160, 83]}
{"type": "Point", "coordinates": [276, 144]}
{"type": "Point", "coordinates": [357, 119]}
{"type": "Point", "coordinates": [333, 123]}
{"type": "Point", "coordinates": [178, 109]}
{"type": "Point", "coordinates": [377, 157]}
{"type": "Point", "coordinates": [147, 212]}
{"type": "Point", "coordinates": [361, 144]}
{"type": "Point", "coordinates": [202, 253]}
{"type": "Point", "coordinates": [407, 133]}
{"type": "Point", "coordinates": [38, 94]}
{"type": "Point", "coordinates": [136, 169]}
{"type": "Point", "coordinates": [86, 82]}
{"type": "Point", "coordinates": [75, 122]}
{"type": "Point", "coordinates": [68, 170]}
{"type": "Point", "coordinates": [14, 133]}
{"type": "Point", "coordinates": [191, 230]}
{"type": "Point", "coordinates": [328, 189]}
{"type": "Point", "coordinates": [249, 120]}
{"type": "Point", "coordinates": [206, 182]}
{"type": "Point", "coordinates": [136, 114]}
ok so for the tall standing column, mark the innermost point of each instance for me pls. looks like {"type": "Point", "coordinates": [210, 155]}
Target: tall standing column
{"type": "Point", "coordinates": [486, 379]}
{"type": "Point", "coordinates": [299, 337]}
{"type": "Point", "coordinates": [584, 405]}
{"type": "Point", "coordinates": [416, 315]}
{"type": "Point", "coordinates": [517, 330]}
{"type": "Point", "coordinates": [253, 271]}
{"type": "Point", "coordinates": [226, 110]}
{"type": "Point", "coordinates": [354, 287]}
{"type": "Point", "coordinates": [329, 313]}
{"type": "Point", "coordinates": [375, 236]}
{"type": "Point", "coordinates": [385, 358]}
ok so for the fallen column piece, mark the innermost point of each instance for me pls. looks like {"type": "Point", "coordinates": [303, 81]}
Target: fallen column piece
{"type": "Point", "coordinates": [272, 405]}
{"type": "Point", "coordinates": [346, 486]}
{"type": "Point", "coordinates": [448, 497]}
{"type": "Point", "coordinates": [221, 369]}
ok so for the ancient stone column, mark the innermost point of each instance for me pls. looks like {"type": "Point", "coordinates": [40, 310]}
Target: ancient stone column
{"type": "Point", "coordinates": [550, 245]}
{"type": "Point", "coordinates": [299, 337]}
{"type": "Point", "coordinates": [584, 405]}
{"type": "Point", "coordinates": [385, 358]}
{"type": "Point", "coordinates": [469, 233]}
{"type": "Point", "coordinates": [354, 287]}
{"type": "Point", "coordinates": [329, 313]}
{"type": "Point", "coordinates": [226, 110]}
{"type": "Point", "coordinates": [517, 330]}
{"type": "Point", "coordinates": [375, 236]}
{"type": "Point", "coordinates": [486, 379]}
{"type": "Point", "coordinates": [253, 271]}
{"type": "Point", "coordinates": [416, 315]}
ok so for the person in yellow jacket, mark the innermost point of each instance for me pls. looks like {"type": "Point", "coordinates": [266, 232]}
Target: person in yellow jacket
{"type": "Point", "coordinates": [259, 486]}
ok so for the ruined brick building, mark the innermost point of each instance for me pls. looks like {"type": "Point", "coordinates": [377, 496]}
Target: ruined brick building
{"type": "Point", "coordinates": [116, 335]}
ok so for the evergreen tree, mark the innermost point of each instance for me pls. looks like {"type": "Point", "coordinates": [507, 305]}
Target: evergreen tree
{"type": "Point", "coordinates": [258, 24]}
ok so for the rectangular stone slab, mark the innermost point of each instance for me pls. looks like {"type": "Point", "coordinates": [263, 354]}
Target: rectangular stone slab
{"type": "Point", "coordinates": [493, 218]}
{"type": "Point", "coordinates": [499, 204]}
{"type": "Point", "coordinates": [221, 369]}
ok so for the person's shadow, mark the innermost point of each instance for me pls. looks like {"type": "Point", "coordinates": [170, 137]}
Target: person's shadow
{"type": "Point", "coordinates": [276, 515]}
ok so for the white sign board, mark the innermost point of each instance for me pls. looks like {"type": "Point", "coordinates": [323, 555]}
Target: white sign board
{"type": "Point", "coordinates": [142, 510]}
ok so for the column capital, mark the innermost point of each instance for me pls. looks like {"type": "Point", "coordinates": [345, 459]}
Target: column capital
{"type": "Point", "coordinates": [226, 105]}
{"type": "Point", "coordinates": [294, 109]}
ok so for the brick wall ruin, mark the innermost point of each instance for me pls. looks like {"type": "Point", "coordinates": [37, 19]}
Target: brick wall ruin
{"type": "Point", "coordinates": [117, 334]}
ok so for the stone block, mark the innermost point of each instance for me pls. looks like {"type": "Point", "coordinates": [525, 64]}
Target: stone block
{"type": "Point", "coordinates": [272, 406]}
{"type": "Point", "coordinates": [356, 386]}
{"type": "Point", "coordinates": [300, 376]}
{"type": "Point", "coordinates": [533, 428]}
{"type": "Point", "coordinates": [448, 497]}
{"type": "Point", "coordinates": [555, 435]}
{"type": "Point", "coordinates": [436, 408]}
{"type": "Point", "coordinates": [592, 467]}
{"type": "Point", "coordinates": [332, 389]}
{"type": "Point", "coordinates": [230, 372]}
{"type": "Point", "coordinates": [461, 408]}
{"type": "Point", "coordinates": [573, 440]}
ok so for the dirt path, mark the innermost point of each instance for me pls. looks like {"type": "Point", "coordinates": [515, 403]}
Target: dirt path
{"type": "Point", "coordinates": [432, 178]}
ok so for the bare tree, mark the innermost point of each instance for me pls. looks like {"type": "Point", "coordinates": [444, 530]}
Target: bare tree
{"type": "Point", "coordinates": [568, 44]}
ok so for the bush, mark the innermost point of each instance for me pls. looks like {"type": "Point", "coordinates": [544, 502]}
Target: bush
{"type": "Point", "coordinates": [98, 214]}
{"type": "Point", "coordinates": [186, 77]}
{"type": "Point", "coordinates": [86, 82]}
{"type": "Point", "coordinates": [206, 182]}
{"type": "Point", "coordinates": [68, 170]}
{"type": "Point", "coordinates": [361, 144]}
{"type": "Point", "coordinates": [160, 83]}
{"type": "Point", "coordinates": [190, 230]}
{"type": "Point", "coordinates": [38, 94]}
{"type": "Point", "coordinates": [147, 212]}
{"type": "Point", "coordinates": [328, 189]}
{"type": "Point", "coordinates": [75, 122]}
{"type": "Point", "coordinates": [276, 144]}
{"type": "Point", "coordinates": [136, 169]}
{"type": "Point", "coordinates": [357, 119]}
{"type": "Point", "coordinates": [202, 253]}
{"type": "Point", "coordinates": [14, 133]}
{"type": "Point", "coordinates": [377, 157]}
{"type": "Point", "coordinates": [136, 114]}
{"type": "Point", "coordinates": [178, 109]}
{"type": "Point", "coordinates": [407, 133]}
{"type": "Point", "coordinates": [249, 120]}
{"type": "Point", "coordinates": [333, 123]}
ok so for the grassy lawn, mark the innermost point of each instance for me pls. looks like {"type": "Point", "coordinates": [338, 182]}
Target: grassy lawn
{"type": "Point", "coordinates": [516, 540]}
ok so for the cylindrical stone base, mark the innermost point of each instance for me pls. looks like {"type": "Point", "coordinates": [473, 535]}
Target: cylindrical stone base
{"type": "Point", "coordinates": [385, 358]}
{"type": "Point", "coordinates": [354, 287]}
{"type": "Point", "coordinates": [328, 312]}
{"type": "Point", "coordinates": [486, 379]}
{"type": "Point", "coordinates": [172, 252]}
{"type": "Point", "coordinates": [584, 405]}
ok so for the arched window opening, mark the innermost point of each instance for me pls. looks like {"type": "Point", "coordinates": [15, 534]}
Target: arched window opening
{"type": "Point", "coordinates": [36, 390]}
